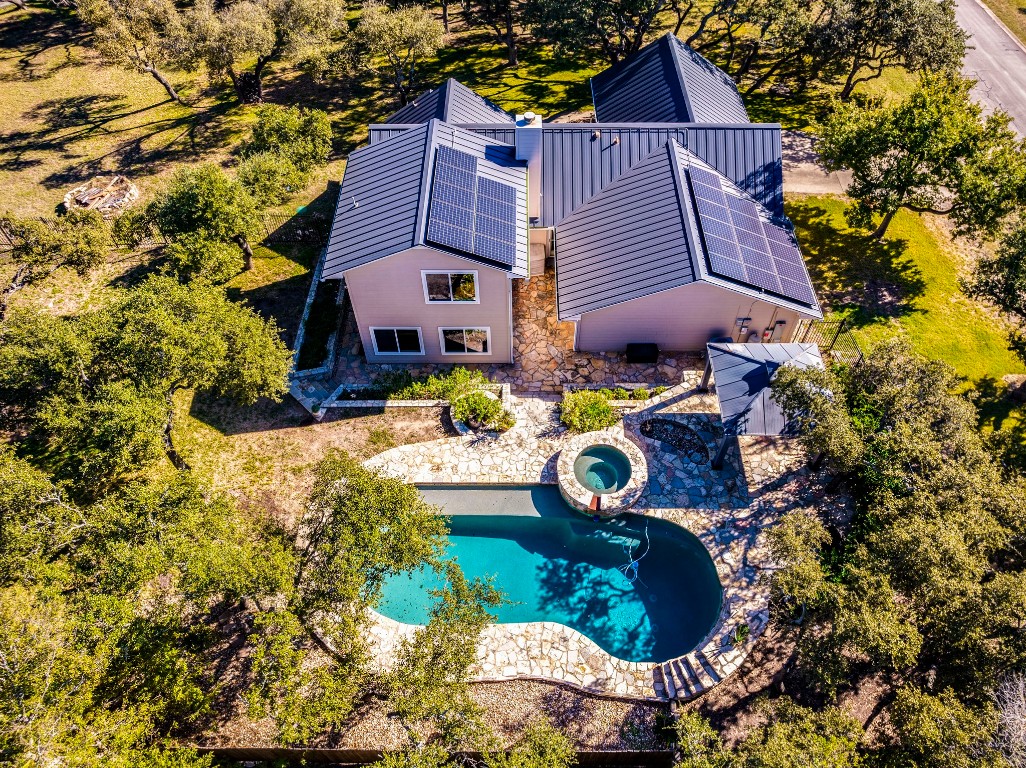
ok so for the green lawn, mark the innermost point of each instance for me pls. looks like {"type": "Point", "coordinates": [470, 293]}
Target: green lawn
{"type": "Point", "coordinates": [908, 284]}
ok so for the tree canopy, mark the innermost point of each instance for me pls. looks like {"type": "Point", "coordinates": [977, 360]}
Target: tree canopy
{"type": "Point", "coordinates": [148, 36]}
{"type": "Point", "coordinates": [933, 152]}
{"type": "Point", "coordinates": [920, 582]}
{"type": "Point", "coordinates": [78, 240]}
{"type": "Point", "coordinates": [231, 36]}
{"type": "Point", "coordinates": [205, 201]}
{"type": "Point", "coordinates": [100, 386]}
{"type": "Point", "coordinates": [395, 43]}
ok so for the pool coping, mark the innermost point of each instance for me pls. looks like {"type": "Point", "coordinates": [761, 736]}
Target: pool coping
{"type": "Point", "coordinates": [530, 650]}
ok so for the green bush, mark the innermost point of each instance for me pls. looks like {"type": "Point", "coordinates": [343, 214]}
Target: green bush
{"type": "Point", "coordinates": [658, 390]}
{"type": "Point", "coordinates": [301, 135]}
{"type": "Point", "coordinates": [619, 393]}
{"type": "Point", "coordinates": [587, 411]}
{"type": "Point", "coordinates": [639, 394]}
{"type": "Point", "coordinates": [270, 178]}
{"type": "Point", "coordinates": [196, 256]}
{"type": "Point", "coordinates": [487, 411]}
{"type": "Point", "coordinates": [440, 386]}
{"type": "Point", "coordinates": [606, 392]}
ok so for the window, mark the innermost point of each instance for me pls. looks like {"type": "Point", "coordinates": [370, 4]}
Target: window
{"type": "Point", "coordinates": [465, 341]}
{"type": "Point", "coordinates": [450, 287]}
{"type": "Point", "coordinates": [397, 341]}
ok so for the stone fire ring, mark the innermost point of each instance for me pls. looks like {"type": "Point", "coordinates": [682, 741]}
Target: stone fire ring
{"type": "Point", "coordinates": [581, 498]}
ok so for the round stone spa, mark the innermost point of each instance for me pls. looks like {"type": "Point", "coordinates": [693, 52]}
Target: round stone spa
{"type": "Point", "coordinates": [602, 469]}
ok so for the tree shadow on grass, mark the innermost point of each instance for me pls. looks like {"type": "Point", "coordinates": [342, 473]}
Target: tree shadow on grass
{"type": "Point", "coordinates": [854, 271]}
{"type": "Point", "coordinates": [30, 35]}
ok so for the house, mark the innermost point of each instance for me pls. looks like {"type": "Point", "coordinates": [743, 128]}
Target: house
{"type": "Point", "coordinates": [663, 221]}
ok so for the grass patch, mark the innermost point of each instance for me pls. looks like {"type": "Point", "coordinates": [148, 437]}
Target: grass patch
{"type": "Point", "coordinates": [909, 284]}
{"type": "Point", "coordinates": [906, 284]}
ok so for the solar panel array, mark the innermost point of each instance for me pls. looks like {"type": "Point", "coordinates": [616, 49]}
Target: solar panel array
{"type": "Point", "coordinates": [743, 247]}
{"type": "Point", "coordinates": [471, 213]}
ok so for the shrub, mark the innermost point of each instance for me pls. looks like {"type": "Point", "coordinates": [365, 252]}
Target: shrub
{"type": "Point", "coordinates": [198, 257]}
{"type": "Point", "coordinates": [477, 407]}
{"type": "Point", "coordinates": [271, 178]}
{"type": "Point", "coordinates": [301, 135]}
{"type": "Point", "coordinates": [587, 411]}
{"type": "Point", "coordinates": [658, 390]}
{"type": "Point", "coordinates": [639, 394]}
{"type": "Point", "coordinates": [439, 386]}
{"type": "Point", "coordinates": [606, 392]}
{"type": "Point", "coordinates": [619, 393]}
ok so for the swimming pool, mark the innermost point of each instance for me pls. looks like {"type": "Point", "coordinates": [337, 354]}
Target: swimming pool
{"type": "Point", "coordinates": [554, 565]}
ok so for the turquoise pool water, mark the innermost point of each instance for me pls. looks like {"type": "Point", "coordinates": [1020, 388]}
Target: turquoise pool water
{"type": "Point", "coordinates": [602, 469]}
{"type": "Point", "coordinates": [556, 565]}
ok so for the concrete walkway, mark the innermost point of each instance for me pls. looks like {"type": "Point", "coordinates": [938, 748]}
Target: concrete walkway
{"type": "Point", "coordinates": [803, 175]}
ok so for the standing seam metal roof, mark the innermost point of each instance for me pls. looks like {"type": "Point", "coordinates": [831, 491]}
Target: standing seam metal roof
{"type": "Point", "coordinates": [383, 200]}
{"type": "Point", "coordinates": [667, 81]}
{"type": "Point", "coordinates": [743, 374]}
{"type": "Point", "coordinates": [610, 250]}
{"type": "Point", "coordinates": [639, 236]}
{"type": "Point", "coordinates": [451, 102]}
{"type": "Point", "coordinates": [576, 166]}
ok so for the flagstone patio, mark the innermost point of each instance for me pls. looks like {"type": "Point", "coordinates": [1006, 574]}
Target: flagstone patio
{"type": "Point", "coordinates": [727, 510]}
{"type": "Point", "coordinates": [544, 357]}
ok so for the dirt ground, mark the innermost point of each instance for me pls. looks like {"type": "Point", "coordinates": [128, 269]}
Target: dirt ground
{"type": "Point", "coordinates": [264, 454]}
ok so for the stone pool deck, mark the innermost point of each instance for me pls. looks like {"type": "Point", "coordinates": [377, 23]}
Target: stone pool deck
{"type": "Point", "coordinates": [727, 510]}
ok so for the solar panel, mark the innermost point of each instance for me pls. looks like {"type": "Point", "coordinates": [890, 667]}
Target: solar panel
{"type": "Point", "coordinates": [451, 216]}
{"type": "Point", "coordinates": [495, 221]}
{"type": "Point", "coordinates": [741, 246]}
{"type": "Point", "coordinates": [470, 213]}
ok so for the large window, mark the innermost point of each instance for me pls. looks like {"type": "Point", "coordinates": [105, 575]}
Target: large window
{"type": "Point", "coordinates": [397, 341]}
{"type": "Point", "coordinates": [450, 287]}
{"type": "Point", "coordinates": [465, 341]}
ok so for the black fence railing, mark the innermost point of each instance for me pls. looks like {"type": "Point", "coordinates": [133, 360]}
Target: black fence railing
{"type": "Point", "coordinates": [833, 337]}
{"type": "Point", "coordinates": [272, 229]}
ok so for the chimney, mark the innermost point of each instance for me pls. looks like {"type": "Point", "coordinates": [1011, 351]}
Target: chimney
{"type": "Point", "coordinates": [529, 147]}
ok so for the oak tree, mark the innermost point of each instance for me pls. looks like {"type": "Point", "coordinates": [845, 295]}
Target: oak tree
{"type": "Point", "coordinates": [933, 152]}
{"type": "Point", "coordinates": [396, 43]}
{"type": "Point", "coordinates": [206, 201]}
{"type": "Point", "coordinates": [78, 240]}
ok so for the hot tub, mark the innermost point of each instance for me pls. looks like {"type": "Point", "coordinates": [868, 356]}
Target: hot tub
{"type": "Point", "coordinates": [601, 473]}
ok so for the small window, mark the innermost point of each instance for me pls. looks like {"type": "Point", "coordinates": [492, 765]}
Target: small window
{"type": "Point", "coordinates": [397, 341]}
{"type": "Point", "coordinates": [465, 341]}
{"type": "Point", "coordinates": [450, 287]}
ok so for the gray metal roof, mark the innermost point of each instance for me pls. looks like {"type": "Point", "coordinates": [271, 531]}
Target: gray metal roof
{"type": "Point", "coordinates": [612, 250]}
{"type": "Point", "coordinates": [451, 102]}
{"type": "Point", "coordinates": [666, 82]}
{"type": "Point", "coordinates": [385, 193]}
{"type": "Point", "coordinates": [639, 236]}
{"type": "Point", "coordinates": [576, 165]}
{"type": "Point", "coordinates": [743, 373]}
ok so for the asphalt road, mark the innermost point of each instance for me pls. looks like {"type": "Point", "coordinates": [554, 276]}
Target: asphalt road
{"type": "Point", "coordinates": [997, 61]}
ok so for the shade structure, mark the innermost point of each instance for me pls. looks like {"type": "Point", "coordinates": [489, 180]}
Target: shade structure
{"type": "Point", "coordinates": [743, 374]}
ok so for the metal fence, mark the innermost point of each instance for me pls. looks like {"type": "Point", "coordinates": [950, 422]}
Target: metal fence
{"type": "Point", "coordinates": [832, 336]}
{"type": "Point", "coordinates": [272, 229]}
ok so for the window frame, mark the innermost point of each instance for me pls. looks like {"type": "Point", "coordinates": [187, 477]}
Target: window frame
{"type": "Point", "coordinates": [427, 296]}
{"type": "Point", "coordinates": [465, 328]}
{"type": "Point", "coordinates": [374, 339]}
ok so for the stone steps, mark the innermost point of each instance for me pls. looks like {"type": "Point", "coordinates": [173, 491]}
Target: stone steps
{"type": "Point", "coordinates": [687, 677]}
